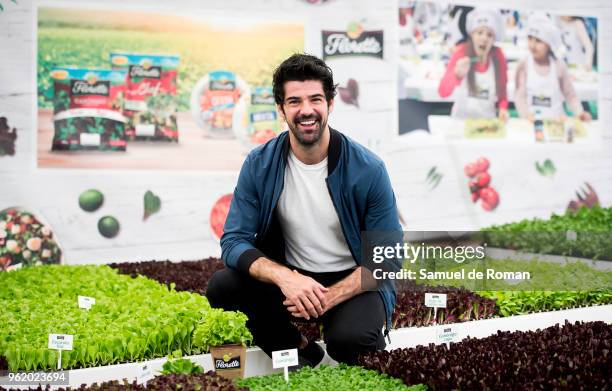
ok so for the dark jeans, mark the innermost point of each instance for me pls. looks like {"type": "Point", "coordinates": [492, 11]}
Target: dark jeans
{"type": "Point", "coordinates": [351, 328]}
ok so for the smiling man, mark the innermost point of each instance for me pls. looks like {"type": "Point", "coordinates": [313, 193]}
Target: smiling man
{"type": "Point", "coordinates": [292, 238]}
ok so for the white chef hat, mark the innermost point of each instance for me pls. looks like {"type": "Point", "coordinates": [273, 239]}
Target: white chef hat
{"type": "Point", "coordinates": [543, 28]}
{"type": "Point", "coordinates": [490, 18]}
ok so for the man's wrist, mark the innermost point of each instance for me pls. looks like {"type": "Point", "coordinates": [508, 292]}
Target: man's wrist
{"type": "Point", "coordinates": [267, 270]}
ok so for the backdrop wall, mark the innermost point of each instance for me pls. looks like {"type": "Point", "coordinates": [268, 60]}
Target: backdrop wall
{"type": "Point", "coordinates": [181, 228]}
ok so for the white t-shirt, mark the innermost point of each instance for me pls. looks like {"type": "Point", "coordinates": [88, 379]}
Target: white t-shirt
{"type": "Point", "coordinates": [313, 236]}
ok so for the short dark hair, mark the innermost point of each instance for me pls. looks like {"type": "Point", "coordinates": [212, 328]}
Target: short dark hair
{"type": "Point", "coordinates": [301, 67]}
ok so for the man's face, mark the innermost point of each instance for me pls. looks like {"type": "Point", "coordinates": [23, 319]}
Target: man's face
{"type": "Point", "coordinates": [306, 110]}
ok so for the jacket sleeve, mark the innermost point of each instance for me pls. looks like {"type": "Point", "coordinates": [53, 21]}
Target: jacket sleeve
{"type": "Point", "coordinates": [240, 230]}
{"type": "Point", "coordinates": [382, 217]}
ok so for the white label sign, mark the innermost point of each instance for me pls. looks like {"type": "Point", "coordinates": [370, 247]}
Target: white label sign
{"type": "Point", "coordinates": [60, 341]}
{"type": "Point", "coordinates": [446, 334]}
{"type": "Point", "coordinates": [435, 300]}
{"type": "Point", "coordinates": [571, 236]}
{"type": "Point", "coordinates": [144, 373]}
{"type": "Point", "coordinates": [86, 302]}
{"type": "Point", "coordinates": [145, 130]}
{"type": "Point", "coordinates": [90, 139]}
{"type": "Point", "coordinates": [284, 358]}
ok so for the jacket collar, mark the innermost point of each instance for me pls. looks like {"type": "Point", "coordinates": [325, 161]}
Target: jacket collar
{"type": "Point", "coordinates": [333, 152]}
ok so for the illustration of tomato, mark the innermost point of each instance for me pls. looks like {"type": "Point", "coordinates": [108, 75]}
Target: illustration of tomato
{"type": "Point", "coordinates": [490, 198]}
{"type": "Point", "coordinates": [483, 179]}
{"type": "Point", "coordinates": [470, 169]}
{"type": "Point", "coordinates": [482, 164]}
{"type": "Point", "coordinates": [218, 214]}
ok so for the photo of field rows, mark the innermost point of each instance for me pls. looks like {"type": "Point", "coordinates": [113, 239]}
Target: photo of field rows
{"type": "Point", "coordinates": [85, 39]}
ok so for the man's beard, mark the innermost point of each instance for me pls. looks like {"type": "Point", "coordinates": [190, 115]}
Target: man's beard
{"type": "Point", "coordinates": [317, 132]}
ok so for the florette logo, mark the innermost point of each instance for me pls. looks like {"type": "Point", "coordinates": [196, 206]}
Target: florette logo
{"type": "Point", "coordinates": [231, 363]}
{"type": "Point", "coordinates": [264, 98]}
{"type": "Point", "coordinates": [222, 84]}
{"type": "Point", "coordinates": [85, 87]}
{"type": "Point", "coordinates": [354, 42]}
{"type": "Point", "coordinates": [151, 72]}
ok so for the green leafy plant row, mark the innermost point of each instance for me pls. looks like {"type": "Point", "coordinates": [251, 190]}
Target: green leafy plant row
{"type": "Point", "coordinates": [525, 302]}
{"type": "Point", "coordinates": [342, 377]}
{"type": "Point", "coordinates": [589, 234]}
{"type": "Point", "coordinates": [132, 319]}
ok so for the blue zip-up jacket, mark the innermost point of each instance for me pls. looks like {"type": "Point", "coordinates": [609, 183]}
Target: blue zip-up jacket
{"type": "Point", "coordinates": [359, 187]}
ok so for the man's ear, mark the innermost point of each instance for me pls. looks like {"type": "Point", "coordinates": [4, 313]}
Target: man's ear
{"type": "Point", "coordinates": [281, 112]}
{"type": "Point", "coordinates": [330, 106]}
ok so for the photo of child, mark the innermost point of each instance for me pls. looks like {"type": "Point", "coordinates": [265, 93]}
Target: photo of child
{"type": "Point", "coordinates": [476, 75]}
{"type": "Point", "coordinates": [543, 83]}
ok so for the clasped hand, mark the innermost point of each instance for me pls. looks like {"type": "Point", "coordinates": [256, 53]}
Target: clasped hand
{"type": "Point", "coordinates": [305, 297]}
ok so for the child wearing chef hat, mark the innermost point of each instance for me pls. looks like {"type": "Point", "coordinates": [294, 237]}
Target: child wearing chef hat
{"type": "Point", "coordinates": [477, 71]}
{"type": "Point", "coordinates": [543, 83]}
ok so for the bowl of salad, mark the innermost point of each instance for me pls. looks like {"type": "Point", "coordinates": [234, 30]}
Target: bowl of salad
{"type": "Point", "coordinates": [26, 240]}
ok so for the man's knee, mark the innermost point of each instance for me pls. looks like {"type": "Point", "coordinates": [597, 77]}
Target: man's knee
{"type": "Point", "coordinates": [224, 288]}
{"type": "Point", "coordinates": [346, 342]}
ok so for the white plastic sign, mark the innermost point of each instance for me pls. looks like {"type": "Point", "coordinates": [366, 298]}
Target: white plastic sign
{"type": "Point", "coordinates": [436, 300]}
{"type": "Point", "coordinates": [144, 373]}
{"type": "Point", "coordinates": [86, 302]}
{"type": "Point", "coordinates": [285, 359]}
{"type": "Point", "coordinates": [446, 334]}
{"type": "Point", "coordinates": [60, 341]}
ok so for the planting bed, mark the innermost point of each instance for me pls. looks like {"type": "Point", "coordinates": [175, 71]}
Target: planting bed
{"type": "Point", "coordinates": [410, 310]}
{"type": "Point", "coordinates": [132, 319]}
{"type": "Point", "coordinates": [328, 378]}
{"type": "Point", "coordinates": [574, 356]}
{"type": "Point", "coordinates": [585, 233]}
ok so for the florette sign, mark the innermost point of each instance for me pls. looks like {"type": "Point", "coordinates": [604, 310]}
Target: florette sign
{"type": "Point", "coordinates": [355, 41]}
{"type": "Point", "coordinates": [228, 362]}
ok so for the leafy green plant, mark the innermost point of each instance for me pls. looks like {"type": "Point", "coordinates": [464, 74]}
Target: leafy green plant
{"type": "Point", "coordinates": [222, 328]}
{"type": "Point", "coordinates": [342, 377]}
{"type": "Point", "coordinates": [590, 229]}
{"type": "Point", "coordinates": [178, 365]}
{"type": "Point", "coordinates": [133, 318]}
{"type": "Point", "coordinates": [525, 302]}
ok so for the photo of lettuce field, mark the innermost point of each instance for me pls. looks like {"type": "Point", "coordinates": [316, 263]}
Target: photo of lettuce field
{"type": "Point", "coordinates": [84, 38]}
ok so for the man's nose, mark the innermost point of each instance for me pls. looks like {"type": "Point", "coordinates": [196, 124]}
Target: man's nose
{"type": "Point", "coordinates": [306, 108]}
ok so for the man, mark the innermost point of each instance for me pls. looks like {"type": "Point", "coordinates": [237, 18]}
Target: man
{"type": "Point", "coordinates": [292, 238]}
